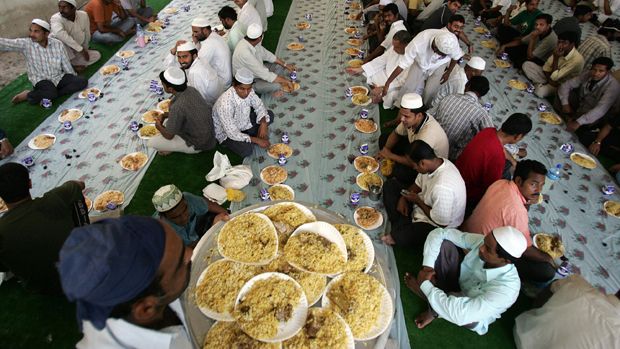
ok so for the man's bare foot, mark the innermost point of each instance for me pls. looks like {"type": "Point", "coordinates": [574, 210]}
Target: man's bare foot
{"type": "Point", "coordinates": [163, 153]}
{"type": "Point", "coordinates": [391, 123]}
{"type": "Point", "coordinates": [278, 94]}
{"type": "Point", "coordinates": [424, 319]}
{"type": "Point", "coordinates": [20, 97]}
{"type": "Point", "coordinates": [614, 168]}
{"type": "Point", "coordinates": [388, 240]}
{"type": "Point", "coordinates": [79, 68]}
{"type": "Point", "coordinates": [412, 284]}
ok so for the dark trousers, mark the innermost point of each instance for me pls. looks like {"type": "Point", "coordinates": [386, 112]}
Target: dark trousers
{"type": "Point", "coordinates": [46, 89]}
{"type": "Point", "coordinates": [448, 267]}
{"type": "Point", "coordinates": [404, 174]}
{"type": "Point", "coordinates": [610, 146]}
{"type": "Point", "coordinates": [518, 56]}
{"type": "Point", "coordinates": [244, 149]}
{"type": "Point", "coordinates": [405, 232]}
{"type": "Point", "coordinates": [506, 34]}
{"type": "Point", "coordinates": [534, 270]}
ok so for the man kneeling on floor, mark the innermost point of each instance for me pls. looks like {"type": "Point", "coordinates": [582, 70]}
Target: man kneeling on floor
{"type": "Point", "coordinates": [470, 290]}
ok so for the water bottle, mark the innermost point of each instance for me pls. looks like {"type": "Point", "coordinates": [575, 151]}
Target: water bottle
{"type": "Point", "coordinates": [140, 36]}
{"type": "Point", "coordinates": [553, 175]}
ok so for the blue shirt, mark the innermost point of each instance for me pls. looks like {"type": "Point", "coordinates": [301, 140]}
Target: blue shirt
{"type": "Point", "coordinates": [197, 207]}
{"type": "Point", "coordinates": [486, 293]}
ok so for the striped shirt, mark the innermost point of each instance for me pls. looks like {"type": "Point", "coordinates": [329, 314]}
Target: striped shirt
{"type": "Point", "coordinates": [461, 116]}
{"type": "Point", "coordinates": [42, 63]}
{"type": "Point", "coordinates": [231, 115]}
{"type": "Point", "coordinates": [593, 47]}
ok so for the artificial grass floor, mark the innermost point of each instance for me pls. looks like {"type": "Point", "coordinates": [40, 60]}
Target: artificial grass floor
{"type": "Point", "coordinates": [35, 321]}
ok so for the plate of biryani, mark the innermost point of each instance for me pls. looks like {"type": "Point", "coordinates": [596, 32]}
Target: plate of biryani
{"type": "Point", "coordinates": [229, 335]}
{"type": "Point", "coordinates": [323, 328]}
{"type": "Point", "coordinates": [125, 54]}
{"type": "Point", "coordinates": [312, 284]}
{"type": "Point", "coordinates": [134, 161]}
{"type": "Point", "coordinates": [360, 251]}
{"type": "Point", "coordinates": [295, 46]}
{"type": "Point", "coordinates": [271, 307]}
{"type": "Point", "coordinates": [366, 164]}
{"type": "Point", "coordinates": [352, 51]}
{"type": "Point", "coordinates": [303, 25]}
{"type": "Point", "coordinates": [365, 180]}
{"type": "Point", "coordinates": [109, 69]}
{"type": "Point", "coordinates": [250, 238]}
{"type": "Point", "coordinates": [273, 174]}
{"type": "Point", "coordinates": [583, 160]}
{"type": "Point", "coordinates": [355, 63]}
{"type": "Point", "coordinates": [88, 202]}
{"type": "Point", "coordinates": [170, 10]}
{"type": "Point", "coordinates": [518, 85]}
{"type": "Point", "coordinates": [355, 6]}
{"type": "Point", "coordinates": [488, 44]}
{"type": "Point", "coordinates": [550, 118]}
{"type": "Point", "coordinates": [550, 244]}
{"type": "Point", "coordinates": [281, 192]}
{"type": "Point", "coordinates": [288, 216]}
{"type": "Point", "coordinates": [42, 141]}
{"type": "Point", "coordinates": [481, 30]}
{"type": "Point", "coordinates": [368, 217]}
{"type": "Point", "coordinates": [153, 27]}
{"type": "Point", "coordinates": [501, 63]}
{"type": "Point", "coordinates": [164, 105]}
{"type": "Point", "coordinates": [218, 286]}
{"type": "Point", "coordinates": [316, 247]}
{"type": "Point", "coordinates": [362, 301]}
{"type": "Point", "coordinates": [148, 132]}
{"type": "Point", "coordinates": [612, 208]}
{"type": "Point", "coordinates": [359, 90]}
{"type": "Point", "coordinates": [350, 30]}
{"type": "Point", "coordinates": [352, 16]}
{"type": "Point", "coordinates": [355, 42]}
{"type": "Point", "coordinates": [361, 100]}
{"type": "Point", "coordinates": [275, 150]}
{"type": "Point", "coordinates": [150, 117]}
{"type": "Point", "coordinates": [286, 88]}
{"type": "Point", "coordinates": [3, 207]}
{"type": "Point", "coordinates": [110, 196]}
{"type": "Point", "coordinates": [366, 125]}
{"type": "Point", "coordinates": [70, 115]}
{"type": "Point", "coordinates": [93, 90]}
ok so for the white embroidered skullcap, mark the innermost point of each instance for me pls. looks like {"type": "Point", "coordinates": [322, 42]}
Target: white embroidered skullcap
{"type": "Point", "coordinates": [72, 2]}
{"type": "Point", "coordinates": [254, 31]}
{"type": "Point", "coordinates": [41, 23]}
{"type": "Point", "coordinates": [186, 46]}
{"type": "Point", "coordinates": [385, 2]}
{"type": "Point", "coordinates": [446, 42]}
{"type": "Point", "coordinates": [175, 76]}
{"type": "Point", "coordinates": [411, 101]}
{"type": "Point", "coordinates": [244, 76]}
{"type": "Point", "coordinates": [200, 22]}
{"type": "Point", "coordinates": [166, 198]}
{"type": "Point", "coordinates": [477, 63]}
{"type": "Point", "coordinates": [511, 240]}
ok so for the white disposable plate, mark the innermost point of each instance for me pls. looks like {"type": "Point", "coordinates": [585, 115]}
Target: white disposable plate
{"type": "Point", "coordinates": [287, 188]}
{"type": "Point", "coordinates": [327, 231]}
{"type": "Point", "coordinates": [160, 104]}
{"type": "Point", "coordinates": [208, 312]}
{"type": "Point", "coordinates": [360, 86]}
{"type": "Point", "coordinates": [372, 227]}
{"type": "Point", "coordinates": [118, 69]}
{"type": "Point", "coordinates": [129, 53]}
{"type": "Point", "coordinates": [218, 323]}
{"type": "Point", "coordinates": [287, 329]}
{"type": "Point", "coordinates": [303, 208]}
{"type": "Point", "coordinates": [272, 183]}
{"type": "Point", "coordinates": [606, 208]}
{"type": "Point", "coordinates": [88, 203]}
{"type": "Point", "coordinates": [386, 312]}
{"type": "Point", "coordinates": [366, 189]}
{"type": "Point", "coordinates": [31, 142]}
{"type": "Point", "coordinates": [145, 137]}
{"type": "Point", "coordinates": [375, 169]}
{"type": "Point", "coordinates": [170, 10]}
{"type": "Point", "coordinates": [157, 111]}
{"type": "Point", "coordinates": [118, 204]}
{"type": "Point", "coordinates": [84, 93]}
{"type": "Point", "coordinates": [72, 109]}
{"type": "Point", "coordinates": [367, 132]}
{"type": "Point", "coordinates": [572, 155]}
{"type": "Point", "coordinates": [120, 162]}
{"type": "Point", "coordinates": [263, 262]}
{"type": "Point", "coordinates": [370, 248]}
{"type": "Point", "coordinates": [350, 340]}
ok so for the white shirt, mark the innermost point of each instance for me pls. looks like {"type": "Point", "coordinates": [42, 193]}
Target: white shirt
{"type": "Point", "coordinates": [394, 28]}
{"type": "Point", "coordinates": [259, 5]}
{"type": "Point", "coordinates": [420, 50]}
{"type": "Point", "coordinates": [248, 15]}
{"type": "Point", "coordinates": [379, 69]}
{"type": "Point", "coordinates": [614, 6]}
{"type": "Point", "coordinates": [505, 4]}
{"type": "Point", "coordinates": [214, 51]}
{"type": "Point", "coordinates": [268, 7]}
{"type": "Point", "coordinates": [434, 91]}
{"type": "Point", "coordinates": [428, 10]}
{"type": "Point", "coordinates": [119, 333]}
{"type": "Point", "coordinates": [231, 115]}
{"type": "Point", "coordinates": [235, 34]}
{"type": "Point", "coordinates": [252, 58]}
{"type": "Point", "coordinates": [130, 4]}
{"type": "Point", "coordinates": [200, 76]}
{"type": "Point", "coordinates": [74, 34]}
{"type": "Point", "coordinates": [444, 191]}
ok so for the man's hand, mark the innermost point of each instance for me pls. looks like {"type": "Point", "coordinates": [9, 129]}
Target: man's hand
{"type": "Point", "coordinates": [566, 109]}
{"type": "Point", "coordinates": [290, 67]}
{"type": "Point", "coordinates": [557, 52]}
{"type": "Point", "coordinates": [151, 19]}
{"type": "Point", "coordinates": [445, 76]}
{"type": "Point", "coordinates": [403, 207]}
{"type": "Point", "coordinates": [173, 50]}
{"type": "Point", "coordinates": [386, 88]}
{"type": "Point", "coordinates": [354, 71]}
{"type": "Point", "coordinates": [573, 125]}
{"type": "Point", "coordinates": [263, 131]}
{"type": "Point", "coordinates": [222, 217]}
{"type": "Point", "coordinates": [263, 143]}
{"type": "Point", "coordinates": [386, 153]}
{"type": "Point", "coordinates": [500, 50]}
{"type": "Point", "coordinates": [6, 148]}
{"type": "Point", "coordinates": [411, 197]}
{"type": "Point", "coordinates": [470, 49]}
{"type": "Point", "coordinates": [427, 273]}
{"type": "Point", "coordinates": [85, 54]}
{"type": "Point", "coordinates": [595, 148]}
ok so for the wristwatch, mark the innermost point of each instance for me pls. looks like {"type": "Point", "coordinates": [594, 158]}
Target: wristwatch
{"type": "Point", "coordinates": [596, 142]}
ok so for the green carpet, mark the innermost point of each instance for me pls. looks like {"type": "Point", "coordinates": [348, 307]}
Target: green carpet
{"type": "Point", "coordinates": [34, 321]}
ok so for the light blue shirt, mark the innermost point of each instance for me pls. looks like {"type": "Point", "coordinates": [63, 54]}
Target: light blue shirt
{"type": "Point", "coordinates": [485, 293]}
{"type": "Point", "coordinates": [197, 207]}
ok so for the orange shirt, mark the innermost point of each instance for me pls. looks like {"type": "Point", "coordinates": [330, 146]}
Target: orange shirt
{"type": "Point", "coordinates": [100, 12]}
{"type": "Point", "coordinates": [502, 205]}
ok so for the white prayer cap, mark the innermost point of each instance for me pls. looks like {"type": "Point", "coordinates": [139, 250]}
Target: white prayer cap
{"type": "Point", "coordinates": [200, 22]}
{"type": "Point", "coordinates": [385, 2]}
{"type": "Point", "coordinates": [244, 76]}
{"type": "Point", "coordinates": [511, 240]}
{"type": "Point", "coordinates": [72, 2]}
{"type": "Point", "coordinates": [175, 76]}
{"type": "Point", "coordinates": [186, 46]}
{"type": "Point", "coordinates": [411, 101]}
{"type": "Point", "coordinates": [477, 63]}
{"type": "Point", "coordinates": [446, 42]}
{"type": "Point", "coordinates": [166, 198]}
{"type": "Point", "coordinates": [41, 23]}
{"type": "Point", "coordinates": [254, 31]}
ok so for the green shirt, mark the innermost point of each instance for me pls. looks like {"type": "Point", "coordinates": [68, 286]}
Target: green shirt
{"type": "Point", "coordinates": [32, 234]}
{"type": "Point", "coordinates": [525, 21]}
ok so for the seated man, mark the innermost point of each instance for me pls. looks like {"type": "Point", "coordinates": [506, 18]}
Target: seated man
{"type": "Point", "coordinates": [126, 276]}
{"type": "Point", "coordinates": [536, 46]}
{"type": "Point", "coordinates": [435, 92]}
{"type": "Point", "coordinates": [138, 10]}
{"type": "Point", "coordinates": [189, 215]}
{"type": "Point", "coordinates": [506, 203]}
{"type": "Point", "coordinates": [212, 49]}
{"type": "Point", "coordinates": [248, 14]}
{"type": "Point", "coordinates": [490, 9]}
{"type": "Point", "coordinates": [577, 316]}
{"type": "Point", "coordinates": [519, 25]}
{"type": "Point", "coordinates": [103, 28]}
{"type": "Point", "coordinates": [484, 160]}
{"type": "Point", "coordinates": [200, 75]}
{"type": "Point", "coordinates": [236, 30]}
{"type": "Point", "coordinates": [608, 14]}
{"type": "Point", "coordinates": [462, 116]}
{"type": "Point", "coordinates": [597, 45]}
{"type": "Point", "coordinates": [564, 64]}
{"type": "Point", "coordinates": [394, 24]}
{"type": "Point", "coordinates": [414, 124]}
{"type": "Point", "coordinates": [606, 141]}
{"type": "Point", "coordinates": [72, 27]}
{"type": "Point", "coordinates": [260, 6]}
{"type": "Point", "coordinates": [240, 117]}
{"type": "Point", "coordinates": [47, 64]}
{"type": "Point", "coordinates": [377, 70]}
{"type": "Point", "coordinates": [581, 14]}
{"type": "Point", "coordinates": [471, 290]}
{"type": "Point", "coordinates": [6, 148]}
{"type": "Point", "coordinates": [32, 231]}
{"type": "Point", "coordinates": [250, 54]}
{"type": "Point", "coordinates": [427, 51]}
{"type": "Point", "coordinates": [189, 125]}
{"type": "Point", "coordinates": [437, 197]}
{"type": "Point", "coordinates": [440, 17]}
{"type": "Point", "coordinates": [586, 98]}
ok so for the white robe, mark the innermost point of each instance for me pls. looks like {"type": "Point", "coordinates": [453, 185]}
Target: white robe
{"type": "Point", "coordinates": [249, 15]}
{"type": "Point", "coordinates": [200, 76]}
{"type": "Point", "coordinates": [379, 69]}
{"type": "Point", "coordinates": [214, 50]}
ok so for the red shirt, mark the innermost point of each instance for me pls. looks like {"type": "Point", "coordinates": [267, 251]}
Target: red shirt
{"type": "Point", "coordinates": [481, 164]}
